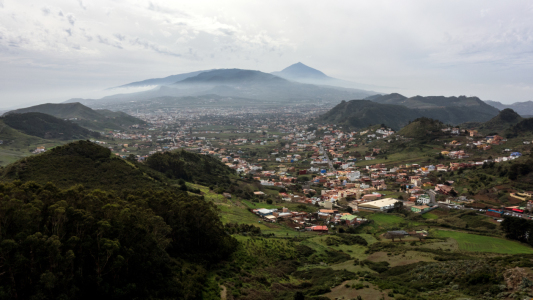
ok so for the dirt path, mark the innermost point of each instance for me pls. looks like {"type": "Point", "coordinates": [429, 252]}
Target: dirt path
{"type": "Point", "coordinates": [223, 293]}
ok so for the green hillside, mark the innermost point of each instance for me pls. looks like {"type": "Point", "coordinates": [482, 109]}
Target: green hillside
{"type": "Point", "coordinates": [203, 169]}
{"type": "Point", "coordinates": [84, 163]}
{"type": "Point", "coordinates": [47, 127]}
{"type": "Point", "coordinates": [16, 145]}
{"type": "Point", "coordinates": [524, 127]}
{"type": "Point", "coordinates": [504, 120]}
{"type": "Point", "coordinates": [422, 127]}
{"type": "Point", "coordinates": [84, 116]}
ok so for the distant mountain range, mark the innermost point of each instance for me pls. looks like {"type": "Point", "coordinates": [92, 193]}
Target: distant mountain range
{"type": "Point", "coordinates": [396, 110]}
{"type": "Point", "coordinates": [259, 87]}
{"type": "Point", "coordinates": [83, 115]}
{"type": "Point", "coordinates": [522, 108]}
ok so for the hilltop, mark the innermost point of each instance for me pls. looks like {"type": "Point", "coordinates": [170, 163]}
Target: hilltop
{"type": "Point", "coordinates": [504, 120]}
{"type": "Point", "coordinates": [421, 128]}
{"type": "Point", "coordinates": [302, 73]}
{"type": "Point", "coordinates": [82, 162]}
{"type": "Point", "coordinates": [46, 126]}
{"type": "Point", "coordinates": [83, 115]}
{"type": "Point", "coordinates": [454, 110]}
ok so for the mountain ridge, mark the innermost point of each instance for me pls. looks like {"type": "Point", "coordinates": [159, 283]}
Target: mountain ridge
{"type": "Point", "coordinates": [82, 115]}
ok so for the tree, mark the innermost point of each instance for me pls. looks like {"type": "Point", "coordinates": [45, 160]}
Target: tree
{"type": "Point", "coordinates": [299, 296]}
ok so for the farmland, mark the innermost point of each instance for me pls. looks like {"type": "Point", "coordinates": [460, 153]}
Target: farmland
{"type": "Point", "coordinates": [479, 243]}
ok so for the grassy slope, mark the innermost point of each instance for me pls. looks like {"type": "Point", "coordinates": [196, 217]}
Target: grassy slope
{"type": "Point", "coordinates": [17, 145]}
{"type": "Point", "coordinates": [479, 243]}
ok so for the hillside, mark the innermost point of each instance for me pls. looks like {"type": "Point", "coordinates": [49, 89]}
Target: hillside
{"type": "Point", "coordinates": [84, 163]}
{"type": "Point", "coordinates": [47, 127]}
{"type": "Point", "coordinates": [504, 120]}
{"type": "Point", "coordinates": [160, 81]}
{"type": "Point", "coordinates": [396, 111]}
{"type": "Point", "coordinates": [422, 127]}
{"type": "Point", "coordinates": [202, 169]}
{"type": "Point", "coordinates": [83, 115]}
{"type": "Point", "coordinates": [363, 113]}
{"type": "Point", "coordinates": [524, 109]}
{"type": "Point", "coordinates": [454, 110]}
{"type": "Point", "coordinates": [524, 127]}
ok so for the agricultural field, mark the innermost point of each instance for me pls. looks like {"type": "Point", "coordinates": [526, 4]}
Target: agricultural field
{"type": "Point", "coordinates": [480, 243]}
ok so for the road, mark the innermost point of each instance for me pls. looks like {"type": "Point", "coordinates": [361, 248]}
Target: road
{"type": "Point", "coordinates": [331, 169]}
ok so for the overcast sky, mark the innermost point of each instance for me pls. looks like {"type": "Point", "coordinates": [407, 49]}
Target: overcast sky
{"type": "Point", "coordinates": [53, 50]}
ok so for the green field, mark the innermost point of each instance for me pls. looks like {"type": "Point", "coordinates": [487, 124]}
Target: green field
{"type": "Point", "coordinates": [479, 243]}
{"type": "Point", "coordinates": [430, 216]}
{"type": "Point", "coordinates": [386, 219]}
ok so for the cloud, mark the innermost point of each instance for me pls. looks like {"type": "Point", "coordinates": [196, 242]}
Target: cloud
{"type": "Point", "coordinates": [69, 31]}
{"type": "Point", "coordinates": [105, 41]}
{"type": "Point", "coordinates": [165, 10]}
{"type": "Point", "coordinates": [45, 10]}
{"type": "Point", "coordinates": [60, 13]}
{"type": "Point", "coordinates": [71, 19]}
{"type": "Point", "coordinates": [80, 2]}
{"type": "Point", "coordinates": [152, 46]}
{"type": "Point", "coordinates": [119, 36]}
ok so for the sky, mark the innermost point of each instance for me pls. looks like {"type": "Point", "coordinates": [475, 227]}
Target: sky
{"type": "Point", "coordinates": [54, 50]}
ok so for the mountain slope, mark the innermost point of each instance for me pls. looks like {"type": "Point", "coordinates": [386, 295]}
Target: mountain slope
{"type": "Point", "coordinates": [454, 110]}
{"type": "Point", "coordinates": [261, 88]}
{"type": "Point", "coordinates": [363, 113]}
{"type": "Point", "coordinates": [305, 74]}
{"type": "Point", "coordinates": [524, 127]}
{"type": "Point", "coordinates": [421, 128]}
{"type": "Point", "coordinates": [505, 119]}
{"type": "Point", "coordinates": [161, 81]}
{"type": "Point", "coordinates": [299, 70]}
{"type": "Point", "coordinates": [47, 127]}
{"type": "Point", "coordinates": [522, 108]}
{"type": "Point", "coordinates": [83, 115]}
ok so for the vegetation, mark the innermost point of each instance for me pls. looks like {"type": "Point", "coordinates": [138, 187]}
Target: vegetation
{"type": "Point", "coordinates": [84, 163]}
{"type": "Point", "coordinates": [47, 127]}
{"type": "Point", "coordinates": [84, 116]}
{"type": "Point", "coordinates": [81, 244]}
{"type": "Point", "coordinates": [203, 169]}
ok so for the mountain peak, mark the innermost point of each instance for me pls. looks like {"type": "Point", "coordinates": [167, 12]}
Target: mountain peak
{"type": "Point", "coordinates": [300, 70]}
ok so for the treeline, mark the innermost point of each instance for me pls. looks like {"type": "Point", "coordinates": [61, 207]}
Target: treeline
{"type": "Point", "coordinates": [202, 169]}
{"type": "Point", "coordinates": [518, 229]}
{"type": "Point", "coordinates": [91, 244]}
{"type": "Point", "coordinates": [87, 163]}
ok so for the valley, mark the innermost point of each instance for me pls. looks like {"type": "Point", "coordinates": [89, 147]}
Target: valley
{"type": "Point", "coordinates": [299, 194]}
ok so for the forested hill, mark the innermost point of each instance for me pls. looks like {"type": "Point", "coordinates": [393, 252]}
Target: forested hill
{"type": "Point", "coordinates": [421, 128]}
{"type": "Point", "coordinates": [47, 127]}
{"type": "Point", "coordinates": [364, 113]}
{"type": "Point", "coordinates": [202, 169]}
{"type": "Point", "coordinates": [84, 163]}
{"type": "Point", "coordinates": [83, 115]}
